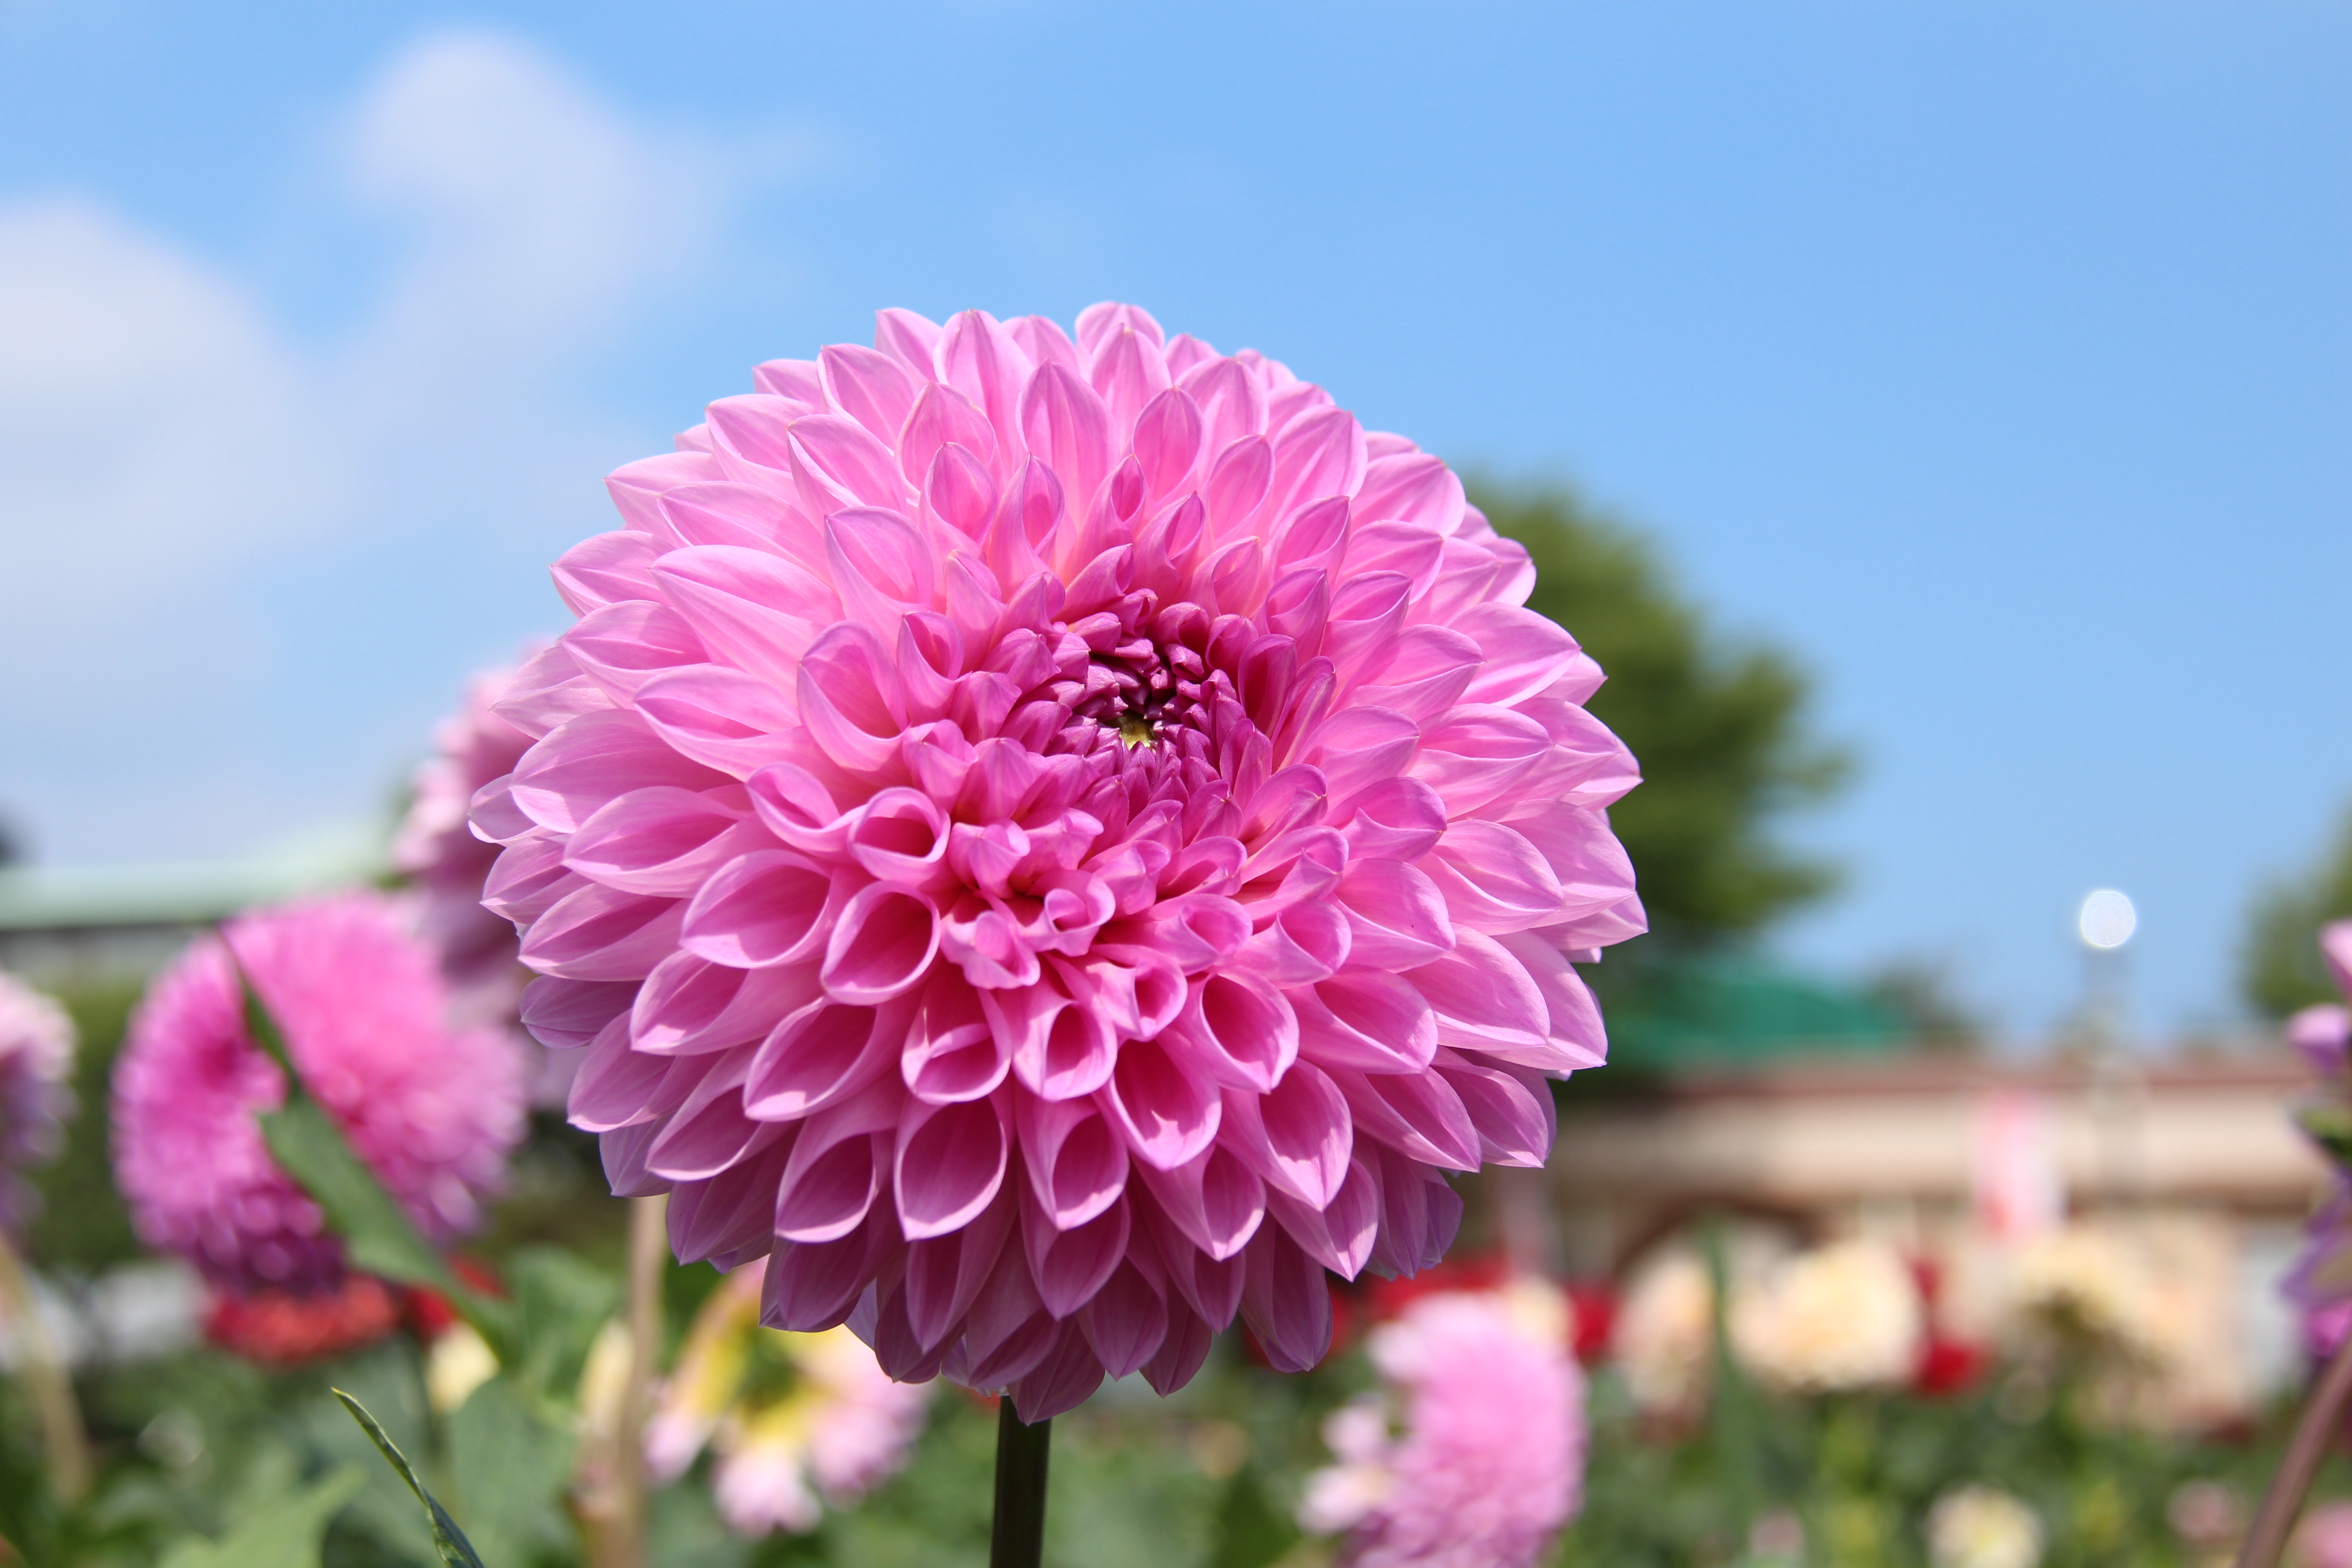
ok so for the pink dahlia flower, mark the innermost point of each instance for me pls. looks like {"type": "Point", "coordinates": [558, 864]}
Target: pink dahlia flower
{"type": "Point", "coordinates": [431, 1109]}
{"type": "Point", "coordinates": [1056, 843]}
{"type": "Point", "coordinates": [2321, 1280]}
{"type": "Point", "coordinates": [1490, 1463]}
{"type": "Point", "coordinates": [36, 1055]}
{"type": "Point", "coordinates": [437, 851]}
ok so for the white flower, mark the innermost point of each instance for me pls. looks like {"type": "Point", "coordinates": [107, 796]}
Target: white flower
{"type": "Point", "coordinates": [1843, 1316]}
{"type": "Point", "coordinates": [1979, 1527]}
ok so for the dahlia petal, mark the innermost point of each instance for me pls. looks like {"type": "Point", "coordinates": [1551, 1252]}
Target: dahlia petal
{"type": "Point", "coordinates": [1319, 454]}
{"type": "Point", "coordinates": [1126, 1320]}
{"type": "Point", "coordinates": [1591, 866]}
{"type": "Point", "coordinates": [945, 1273]}
{"type": "Point", "coordinates": [1242, 1028]}
{"type": "Point", "coordinates": [1214, 1200]}
{"type": "Point", "coordinates": [623, 1151]}
{"type": "Point", "coordinates": [1395, 819]}
{"type": "Point", "coordinates": [952, 1053]}
{"type": "Point", "coordinates": [731, 1214]}
{"type": "Point", "coordinates": [549, 690]}
{"type": "Point", "coordinates": [1407, 549]}
{"type": "Point", "coordinates": [768, 907]}
{"type": "Point", "coordinates": [1396, 915]}
{"type": "Point", "coordinates": [619, 1087]}
{"type": "Point", "coordinates": [636, 489]}
{"type": "Point", "coordinates": [1071, 1263]}
{"type": "Point", "coordinates": [1126, 371]}
{"type": "Point", "coordinates": [868, 385]}
{"type": "Point", "coordinates": [1365, 1020]}
{"type": "Point", "coordinates": [822, 1054]}
{"type": "Point", "coordinates": [564, 779]}
{"type": "Point", "coordinates": [1484, 998]}
{"type": "Point", "coordinates": [1473, 754]}
{"type": "Point", "coordinates": [902, 1356]}
{"type": "Point", "coordinates": [621, 647]}
{"type": "Point", "coordinates": [839, 1165]}
{"type": "Point", "coordinates": [597, 933]}
{"type": "Point", "coordinates": [1310, 536]}
{"type": "Point", "coordinates": [1367, 613]}
{"type": "Point", "coordinates": [794, 805]}
{"type": "Point", "coordinates": [1008, 1330]}
{"type": "Point", "coordinates": [568, 1013]}
{"type": "Point", "coordinates": [812, 1286]}
{"type": "Point", "coordinates": [606, 570]}
{"type": "Point", "coordinates": [1043, 340]}
{"type": "Point", "coordinates": [1521, 652]}
{"type": "Point", "coordinates": [1297, 1136]}
{"type": "Point", "coordinates": [1359, 747]}
{"type": "Point", "coordinates": [1419, 1214]}
{"type": "Point", "coordinates": [734, 515]}
{"type": "Point", "coordinates": [1421, 673]}
{"type": "Point", "coordinates": [1287, 1302]}
{"type": "Point", "coordinates": [709, 1131]}
{"type": "Point", "coordinates": [661, 840]}
{"type": "Point", "coordinates": [689, 1006]}
{"type": "Point", "coordinates": [735, 723]}
{"type": "Point", "coordinates": [1098, 324]}
{"type": "Point", "coordinates": [1416, 1113]}
{"type": "Point", "coordinates": [1211, 1286]}
{"type": "Point", "coordinates": [1339, 1234]}
{"type": "Point", "coordinates": [1492, 879]}
{"type": "Point", "coordinates": [1575, 1038]}
{"type": "Point", "coordinates": [1238, 481]}
{"type": "Point", "coordinates": [757, 610]}
{"type": "Point", "coordinates": [950, 1162]}
{"type": "Point", "coordinates": [1077, 1164]}
{"type": "Point", "coordinates": [911, 340]}
{"type": "Point", "coordinates": [838, 463]}
{"type": "Point", "coordinates": [1412, 487]}
{"type": "Point", "coordinates": [1511, 1109]}
{"type": "Point", "coordinates": [1182, 1350]}
{"type": "Point", "coordinates": [1067, 426]}
{"type": "Point", "coordinates": [851, 701]}
{"type": "Point", "coordinates": [883, 940]}
{"type": "Point", "coordinates": [1167, 442]}
{"type": "Point", "coordinates": [980, 359]}
{"type": "Point", "coordinates": [1167, 1111]}
{"type": "Point", "coordinates": [1065, 1379]}
{"type": "Point", "coordinates": [1058, 1050]}
{"type": "Point", "coordinates": [530, 878]}
{"type": "Point", "coordinates": [880, 563]}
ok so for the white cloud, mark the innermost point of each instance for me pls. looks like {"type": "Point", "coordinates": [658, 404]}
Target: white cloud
{"type": "Point", "coordinates": [166, 446]}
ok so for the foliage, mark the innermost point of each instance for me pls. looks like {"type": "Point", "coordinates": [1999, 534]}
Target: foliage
{"type": "Point", "coordinates": [1719, 727]}
{"type": "Point", "coordinates": [83, 1225]}
{"type": "Point", "coordinates": [2279, 969]}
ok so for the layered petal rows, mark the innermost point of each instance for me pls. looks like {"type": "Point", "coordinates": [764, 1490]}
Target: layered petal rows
{"type": "Point", "coordinates": [1055, 843]}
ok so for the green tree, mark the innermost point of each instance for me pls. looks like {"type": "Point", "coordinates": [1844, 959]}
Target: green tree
{"type": "Point", "coordinates": [2279, 967]}
{"type": "Point", "coordinates": [1718, 725]}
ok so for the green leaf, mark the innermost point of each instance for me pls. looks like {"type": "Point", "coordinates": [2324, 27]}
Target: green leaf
{"type": "Point", "coordinates": [1251, 1532]}
{"type": "Point", "coordinates": [284, 1532]}
{"type": "Point", "coordinates": [509, 1467]}
{"type": "Point", "coordinates": [378, 1235]}
{"type": "Point", "coordinates": [450, 1542]}
{"type": "Point", "coordinates": [2329, 1123]}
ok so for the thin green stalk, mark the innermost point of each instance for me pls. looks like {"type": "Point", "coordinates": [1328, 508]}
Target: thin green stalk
{"type": "Point", "coordinates": [43, 1369]}
{"type": "Point", "coordinates": [2323, 1417]}
{"type": "Point", "coordinates": [1018, 1539]}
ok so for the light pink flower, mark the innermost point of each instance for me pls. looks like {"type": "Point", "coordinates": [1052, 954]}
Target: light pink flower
{"type": "Point", "coordinates": [36, 1055]}
{"type": "Point", "coordinates": [1056, 843]}
{"type": "Point", "coordinates": [792, 1417]}
{"type": "Point", "coordinates": [2324, 1540]}
{"type": "Point", "coordinates": [431, 1109]}
{"type": "Point", "coordinates": [1490, 1463]}
{"type": "Point", "coordinates": [2321, 1280]}
{"type": "Point", "coordinates": [435, 848]}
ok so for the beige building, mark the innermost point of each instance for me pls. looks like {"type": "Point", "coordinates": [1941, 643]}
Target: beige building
{"type": "Point", "coordinates": [2189, 1166]}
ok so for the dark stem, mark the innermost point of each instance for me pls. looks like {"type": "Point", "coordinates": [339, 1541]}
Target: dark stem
{"type": "Point", "coordinates": [2322, 1416]}
{"type": "Point", "coordinates": [1018, 1539]}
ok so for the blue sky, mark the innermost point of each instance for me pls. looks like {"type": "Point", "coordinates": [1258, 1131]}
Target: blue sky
{"type": "Point", "coordinates": [1996, 358]}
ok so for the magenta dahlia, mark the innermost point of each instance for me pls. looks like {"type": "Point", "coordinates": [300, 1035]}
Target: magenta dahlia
{"type": "Point", "coordinates": [2320, 1283]}
{"type": "Point", "coordinates": [437, 851]}
{"type": "Point", "coordinates": [431, 1108]}
{"type": "Point", "coordinates": [1056, 843]}
{"type": "Point", "coordinates": [36, 1057]}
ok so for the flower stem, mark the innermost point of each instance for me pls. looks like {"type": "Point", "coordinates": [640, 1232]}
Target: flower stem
{"type": "Point", "coordinates": [624, 1536]}
{"type": "Point", "coordinates": [1018, 1539]}
{"type": "Point", "coordinates": [62, 1434]}
{"type": "Point", "coordinates": [2323, 1414]}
